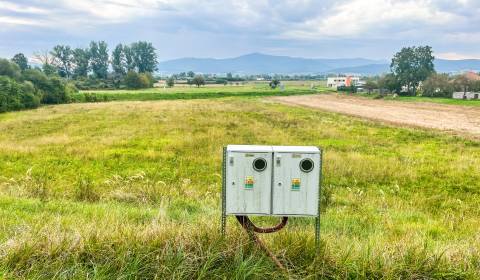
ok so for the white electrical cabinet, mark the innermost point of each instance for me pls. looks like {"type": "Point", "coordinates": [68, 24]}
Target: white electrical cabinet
{"type": "Point", "coordinates": [248, 180]}
{"type": "Point", "coordinates": [295, 186]}
{"type": "Point", "coordinates": [271, 180]}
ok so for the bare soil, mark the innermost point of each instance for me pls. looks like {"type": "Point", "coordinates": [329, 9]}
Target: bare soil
{"type": "Point", "coordinates": [453, 118]}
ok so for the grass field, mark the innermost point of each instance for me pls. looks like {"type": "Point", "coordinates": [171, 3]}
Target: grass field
{"type": "Point", "coordinates": [439, 100]}
{"type": "Point", "coordinates": [132, 190]}
{"type": "Point", "coordinates": [192, 92]}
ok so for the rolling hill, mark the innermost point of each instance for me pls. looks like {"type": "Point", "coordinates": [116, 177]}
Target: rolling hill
{"type": "Point", "coordinates": [257, 63]}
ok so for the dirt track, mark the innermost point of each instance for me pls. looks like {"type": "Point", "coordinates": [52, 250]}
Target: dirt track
{"type": "Point", "coordinates": [454, 118]}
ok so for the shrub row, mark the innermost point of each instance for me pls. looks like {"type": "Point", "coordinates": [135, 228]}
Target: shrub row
{"type": "Point", "coordinates": [29, 88]}
{"type": "Point", "coordinates": [132, 80]}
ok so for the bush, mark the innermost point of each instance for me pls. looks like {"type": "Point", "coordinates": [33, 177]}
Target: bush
{"type": "Point", "coordinates": [438, 85]}
{"type": "Point", "coordinates": [53, 89]}
{"type": "Point", "coordinates": [71, 89]}
{"type": "Point", "coordinates": [198, 80]}
{"type": "Point", "coordinates": [170, 82]}
{"type": "Point", "coordinates": [93, 97]}
{"type": "Point", "coordinates": [352, 89]}
{"type": "Point", "coordinates": [9, 69]}
{"type": "Point", "coordinates": [151, 79]}
{"type": "Point", "coordinates": [17, 96]}
{"type": "Point", "coordinates": [133, 80]}
{"type": "Point", "coordinates": [38, 78]}
{"type": "Point", "coordinates": [475, 86]}
{"type": "Point", "coordinates": [30, 99]}
{"type": "Point", "coordinates": [274, 83]}
{"type": "Point", "coordinates": [91, 83]}
{"type": "Point", "coordinates": [56, 92]}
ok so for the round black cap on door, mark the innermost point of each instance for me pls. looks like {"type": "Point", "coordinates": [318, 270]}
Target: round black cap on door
{"type": "Point", "coordinates": [306, 165]}
{"type": "Point", "coordinates": [259, 164]}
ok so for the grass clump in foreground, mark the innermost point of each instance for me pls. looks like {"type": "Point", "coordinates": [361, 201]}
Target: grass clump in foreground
{"type": "Point", "coordinates": [132, 190]}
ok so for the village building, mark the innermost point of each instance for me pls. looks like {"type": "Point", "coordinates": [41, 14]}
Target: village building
{"type": "Point", "coordinates": [335, 82]}
{"type": "Point", "coordinates": [472, 76]}
{"type": "Point", "coordinates": [466, 95]}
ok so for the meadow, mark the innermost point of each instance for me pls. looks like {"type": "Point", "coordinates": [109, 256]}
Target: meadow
{"type": "Point", "coordinates": [192, 92]}
{"type": "Point", "coordinates": [131, 189]}
{"type": "Point", "coordinates": [437, 100]}
{"type": "Point", "coordinates": [440, 100]}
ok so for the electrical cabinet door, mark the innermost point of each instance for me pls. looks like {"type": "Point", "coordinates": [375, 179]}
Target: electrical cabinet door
{"type": "Point", "coordinates": [248, 183]}
{"type": "Point", "coordinates": [296, 183]}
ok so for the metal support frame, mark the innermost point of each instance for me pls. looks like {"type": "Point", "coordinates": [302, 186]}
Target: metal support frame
{"type": "Point", "coordinates": [317, 219]}
{"type": "Point", "coordinates": [224, 193]}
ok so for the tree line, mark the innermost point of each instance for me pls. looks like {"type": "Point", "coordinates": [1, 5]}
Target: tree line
{"type": "Point", "coordinates": [22, 87]}
{"type": "Point", "coordinates": [128, 66]}
{"type": "Point", "coordinates": [95, 59]}
{"type": "Point", "coordinates": [63, 70]}
{"type": "Point", "coordinates": [412, 72]}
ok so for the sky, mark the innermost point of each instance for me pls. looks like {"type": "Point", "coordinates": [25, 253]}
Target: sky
{"type": "Point", "coordinates": [374, 29]}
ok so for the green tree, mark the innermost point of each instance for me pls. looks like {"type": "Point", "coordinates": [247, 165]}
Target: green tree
{"type": "Point", "coordinates": [134, 80]}
{"type": "Point", "coordinates": [475, 86]}
{"type": "Point", "coordinates": [9, 69]}
{"type": "Point", "coordinates": [389, 82]}
{"type": "Point", "coordinates": [81, 61]}
{"type": "Point", "coordinates": [63, 57]}
{"type": "Point", "coordinates": [438, 85]}
{"type": "Point", "coordinates": [56, 92]}
{"type": "Point", "coordinates": [38, 78]}
{"type": "Point", "coordinates": [17, 96]}
{"type": "Point", "coordinates": [52, 90]}
{"type": "Point", "coordinates": [170, 82]}
{"type": "Point", "coordinates": [49, 69]}
{"type": "Point", "coordinates": [129, 58]}
{"type": "Point", "coordinates": [99, 59]}
{"type": "Point", "coordinates": [198, 80]}
{"type": "Point", "coordinates": [149, 78]}
{"type": "Point", "coordinates": [413, 65]}
{"type": "Point", "coordinates": [370, 85]}
{"type": "Point", "coordinates": [144, 56]}
{"type": "Point", "coordinates": [462, 83]}
{"type": "Point", "coordinates": [190, 74]}
{"type": "Point", "coordinates": [21, 61]}
{"type": "Point", "coordinates": [274, 83]}
{"type": "Point", "coordinates": [119, 66]}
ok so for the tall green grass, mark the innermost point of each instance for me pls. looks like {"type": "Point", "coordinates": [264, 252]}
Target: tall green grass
{"type": "Point", "coordinates": [207, 92]}
{"type": "Point", "coordinates": [132, 190]}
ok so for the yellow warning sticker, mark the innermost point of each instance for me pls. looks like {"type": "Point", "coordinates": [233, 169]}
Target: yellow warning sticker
{"type": "Point", "coordinates": [295, 184]}
{"type": "Point", "coordinates": [249, 182]}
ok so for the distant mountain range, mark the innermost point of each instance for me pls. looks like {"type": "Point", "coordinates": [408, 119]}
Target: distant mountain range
{"type": "Point", "coordinates": [257, 63]}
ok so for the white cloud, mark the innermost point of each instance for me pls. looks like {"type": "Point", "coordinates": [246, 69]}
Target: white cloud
{"type": "Point", "coordinates": [448, 25]}
{"type": "Point", "coordinates": [14, 7]}
{"type": "Point", "coordinates": [66, 14]}
{"type": "Point", "coordinates": [358, 18]}
{"type": "Point", "coordinates": [461, 37]}
{"type": "Point", "coordinates": [456, 56]}
{"type": "Point", "coordinates": [14, 21]}
{"type": "Point", "coordinates": [113, 10]}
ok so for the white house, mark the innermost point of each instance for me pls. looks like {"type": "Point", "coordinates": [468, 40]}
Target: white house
{"type": "Point", "coordinates": [466, 95]}
{"type": "Point", "coordinates": [347, 81]}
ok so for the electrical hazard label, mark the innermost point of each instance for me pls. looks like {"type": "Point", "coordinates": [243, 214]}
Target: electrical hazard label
{"type": "Point", "coordinates": [249, 182]}
{"type": "Point", "coordinates": [295, 184]}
